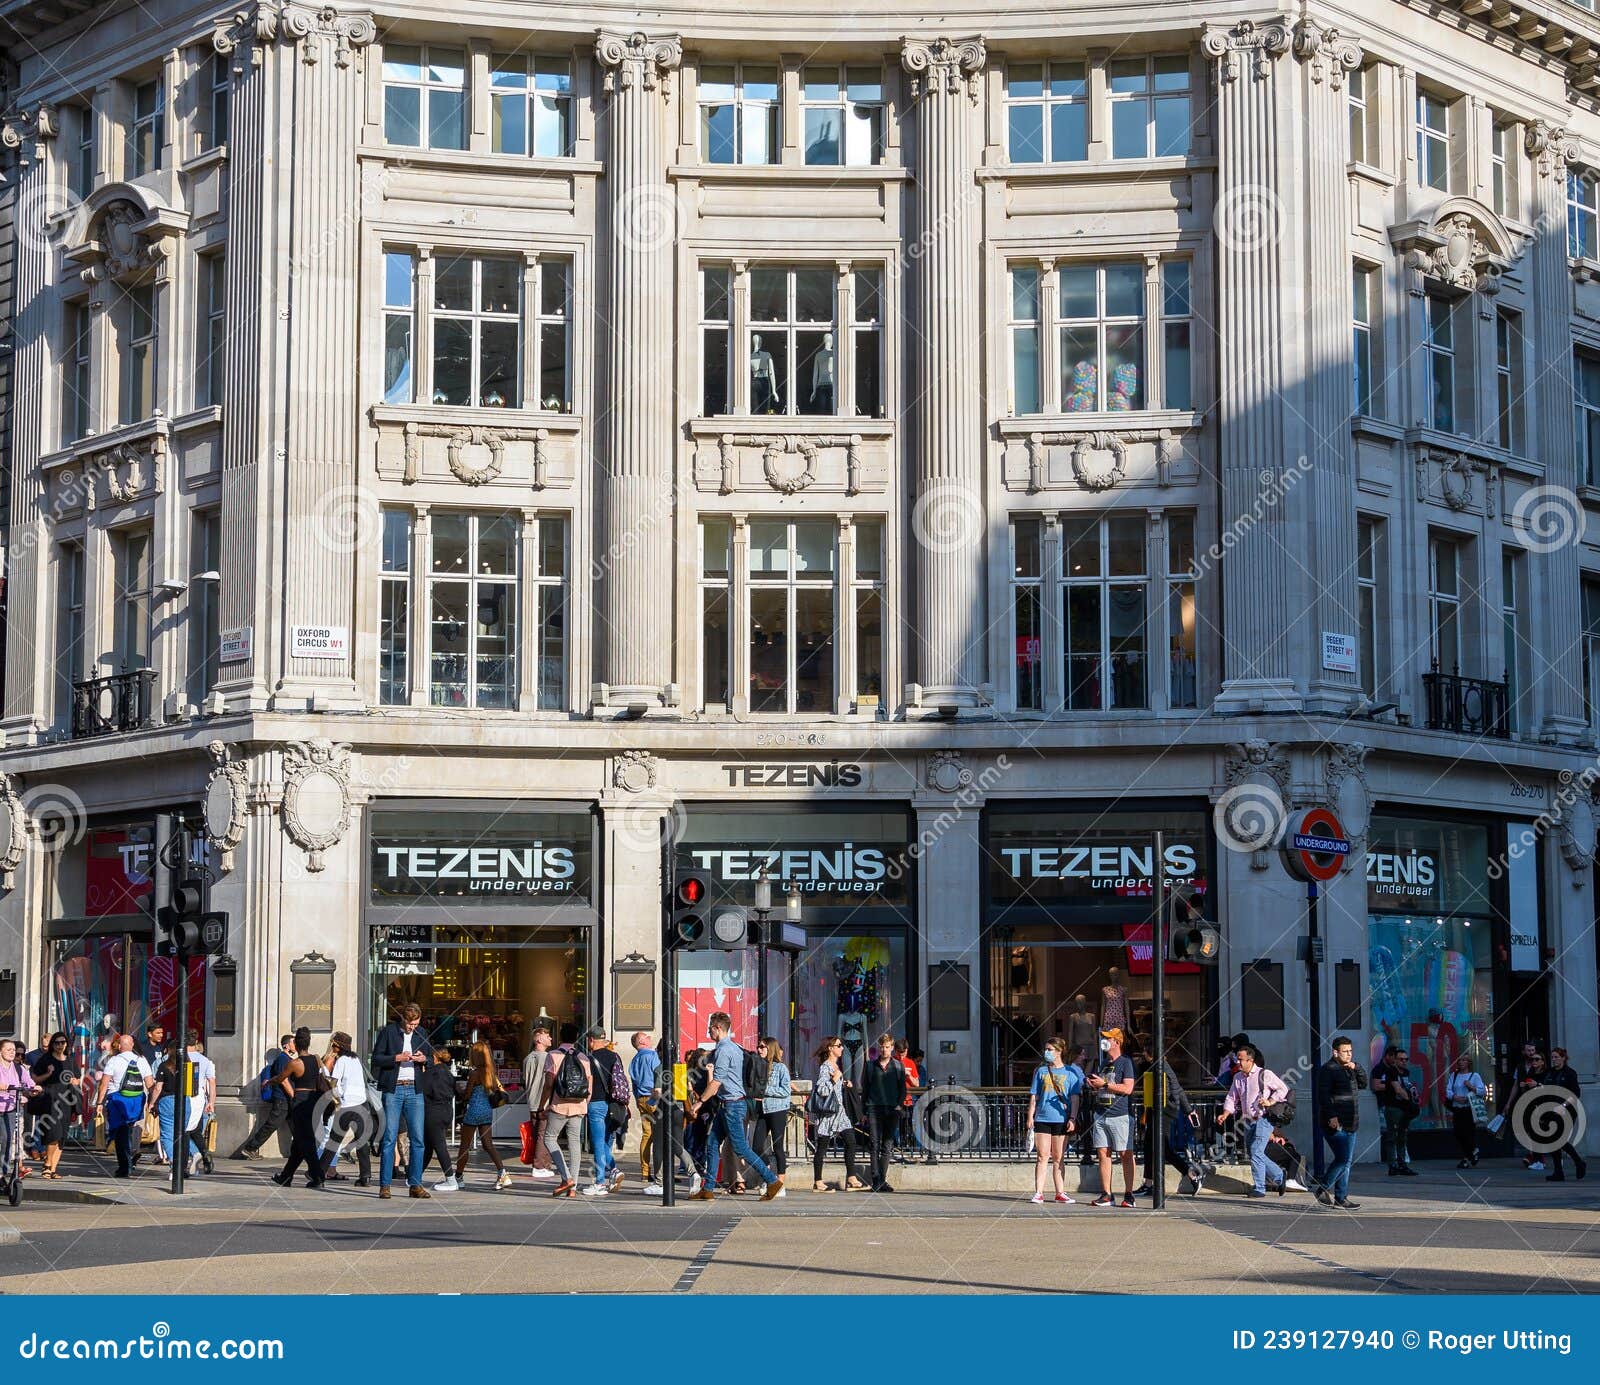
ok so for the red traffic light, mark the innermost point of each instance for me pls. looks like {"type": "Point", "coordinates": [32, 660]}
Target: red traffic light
{"type": "Point", "coordinates": [691, 889]}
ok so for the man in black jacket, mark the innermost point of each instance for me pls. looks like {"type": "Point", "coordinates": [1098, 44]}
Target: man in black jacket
{"type": "Point", "coordinates": [275, 1108]}
{"type": "Point", "coordinates": [883, 1090]}
{"type": "Point", "coordinates": [398, 1059]}
{"type": "Point", "coordinates": [1338, 1081]}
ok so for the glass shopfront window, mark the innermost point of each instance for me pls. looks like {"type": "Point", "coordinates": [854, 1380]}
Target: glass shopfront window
{"type": "Point", "coordinates": [482, 914]}
{"type": "Point", "coordinates": [1430, 932]}
{"type": "Point", "coordinates": [854, 977]}
{"type": "Point", "coordinates": [1068, 930]}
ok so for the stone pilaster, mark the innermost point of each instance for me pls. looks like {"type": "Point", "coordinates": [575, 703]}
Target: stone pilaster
{"type": "Point", "coordinates": [25, 142]}
{"type": "Point", "coordinates": [1260, 431]}
{"type": "Point", "coordinates": [1329, 495]}
{"type": "Point", "coordinates": [633, 640]}
{"type": "Point", "coordinates": [945, 416]}
{"type": "Point", "coordinates": [1554, 547]}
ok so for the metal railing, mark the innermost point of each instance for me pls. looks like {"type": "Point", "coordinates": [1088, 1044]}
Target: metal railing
{"type": "Point", "coordinates": [111, 705]}
{"type": "Point", "coordinates": [1471, 706]}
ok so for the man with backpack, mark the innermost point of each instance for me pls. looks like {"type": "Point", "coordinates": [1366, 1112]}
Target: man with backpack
{"type": "Point", "coordinates": [568, 1086]}
{"type": "Point", "coordinates": [608, 1110]}
{"type": "Point", "coordinates": [727, 1081]}
{"type": "Point", "coordinates": [274, 1114]}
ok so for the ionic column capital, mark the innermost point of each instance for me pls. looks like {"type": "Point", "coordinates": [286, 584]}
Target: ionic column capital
{"type": "Point", "coordinates": [1327, 52]}
{"type": "Point", "coordinates": [1551, 148]}
{"type": "Point", "coordinates": [943, 65]}
{"type": "Point", "coordinates": [36, 126]}
{"type": "Point", "coordinates": [638, 60]}
{"type": "Point", "coordinates": [1261, 43]}
{"type": "Point", "coordinates": [314, 29]}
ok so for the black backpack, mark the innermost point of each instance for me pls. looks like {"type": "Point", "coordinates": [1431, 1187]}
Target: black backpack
{"type": "Point", "coordinates": [572, 1081]}
{"type": "Point", "coordinates": [757, 1073]}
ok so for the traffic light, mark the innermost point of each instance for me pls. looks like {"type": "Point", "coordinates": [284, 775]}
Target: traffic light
{"type": "Point", "coordinates": [1190, 938]}
{"type": "Point", "coordinates": [730, 927]}
{"type": "Point", "coordinates": [687, 914]}
{"type": "Point", "coordinates": [180, 919]}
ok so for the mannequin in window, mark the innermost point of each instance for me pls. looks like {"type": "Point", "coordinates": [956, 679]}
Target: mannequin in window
{"type": "Point", "coordinates": [763, 380]}
{"type": "Point", "coordinates": [1082, 1031]}
{"type": "Point", "coordinates": [1114, 1002]}
{"type": "Point", "coordinates": [822, 377]}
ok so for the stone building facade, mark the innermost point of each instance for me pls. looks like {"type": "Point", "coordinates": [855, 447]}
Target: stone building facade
{"type": "Point", "coordinates": [926, 455]}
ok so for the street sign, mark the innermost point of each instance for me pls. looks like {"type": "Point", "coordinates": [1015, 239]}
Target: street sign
{"type": "Point", "coordinates": [1317, 848]}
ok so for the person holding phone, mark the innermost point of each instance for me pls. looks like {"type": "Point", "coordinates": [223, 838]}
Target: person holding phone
{"type": "Point", "coordinates": [399, 1058]}
{"type": "Point", "coordinates": [1338, 1081]}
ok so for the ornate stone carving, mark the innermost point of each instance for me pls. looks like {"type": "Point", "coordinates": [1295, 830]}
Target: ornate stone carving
{"type": "Point", "coordinates": [316, 796]}
{"type": "Point", "coordinates": [947, 772]}
{"type": "Point", "coordinates": [784, 476]}
{"type": "Point", "coordinates": [13, 831]}
{"type": "Point", "coordinates": [226, 802]}
{"type": "Point", "coordinates": [638, 60]}
{"type": "Point", "coordinates": [313, 29]}
{"type": "Point", "coordinates": [943, 64]}
{"type": "Point", "coordinates": [1347, 792]}
{"type": "Point", "coordinates": [1550, 147]}
{"type": "Point", "coordinates": [1327, 53]}
{"type": "Point", "coordinates": [124, 467]}
{"type": "Point", "coordinates": [36, 126]}
{"type": "Point", "coordinates": [245, 31]}
{"type": "Point", "coordinates": [459, 437]}
{"type": "Point", "coordinates": [1255, 802]}
{"type": "Point", "coordinates": [634, 771]}
{"type": "Point", "coordinates": [1099, 459]}
{"type": "Point", "coordinates": [788, 479]}
{"type": "Point", "coordinates": [1261, 43]}
{"type": "Point", "coordinates": [1453, 253]}
{"type": "Point", "coordinates": [852, 466]}
{"type": "Point", "coordinates": [1576, 837]}
{"type": "Point", "coordinates": [121, 245]}
{"type": "Point", "coordinates": [1455, 474]}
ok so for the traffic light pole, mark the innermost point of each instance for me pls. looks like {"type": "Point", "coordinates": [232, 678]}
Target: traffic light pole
{"type": "Point", "coordinates": [1157, 1114]}
{"type": "Point", "coordinates": [669, 1066]}
{"type": "Point", "coordinates": [180, 1098]}
{"type": "Point", "coordinates": [1314, 982]}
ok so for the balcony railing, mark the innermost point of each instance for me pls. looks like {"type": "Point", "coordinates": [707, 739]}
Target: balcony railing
{"type": "Point", "coordinates": [114, 704]}
{"type": "Point", "coordinates": [1471, 706]}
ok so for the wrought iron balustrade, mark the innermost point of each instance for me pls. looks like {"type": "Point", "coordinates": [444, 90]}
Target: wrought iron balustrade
{"type": "Point", "coordinates": [113, 704]}
{"type": "Point", "coordinates": [1470, 706]}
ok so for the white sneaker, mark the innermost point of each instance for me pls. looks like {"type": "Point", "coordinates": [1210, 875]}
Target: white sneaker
{"type": "Point", "coordinates": [653, 1190]}
{"type": "Point", "coordinates": [1294, 1185]}
{"type": "Point", "coordinates": [695, 1184]}
{"type": "Point", "coordinates": [1037, 1197]}
{"type": "Point", "coordinates": [1537, 1166]}
{"type": "Point", "coordinates": [597, 1190]}
{"type": "Point", "coordinates": [542, 1174]}
{"type": "Point", "coordinates": [614, 1178]}
{"type": "Point", "coordinates": [504, 1181]}
{"type": "Point", "coordinates": [448, 1186]}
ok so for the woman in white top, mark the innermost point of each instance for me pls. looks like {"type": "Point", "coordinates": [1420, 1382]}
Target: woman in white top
{"type": "Point", "coordinates": [1460, 1087]}
{"type": "Point", "coordinates": [354, 1117]}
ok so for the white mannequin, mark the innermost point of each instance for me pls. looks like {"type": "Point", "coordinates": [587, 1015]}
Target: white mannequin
{"type": "Point", "coordinates": [763, 380]}
{"type": "Point", "coordinates": [822, 373]}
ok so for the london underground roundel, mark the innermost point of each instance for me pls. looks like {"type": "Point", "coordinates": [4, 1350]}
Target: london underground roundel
{"type": "Point", "coordinates": [1316, 849]}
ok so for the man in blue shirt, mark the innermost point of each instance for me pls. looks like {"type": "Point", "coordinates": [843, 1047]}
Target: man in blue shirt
{"type": "Point", "coordinates": [727, 1081]}
{"type": "Point", "coordinates": [644, 1072]}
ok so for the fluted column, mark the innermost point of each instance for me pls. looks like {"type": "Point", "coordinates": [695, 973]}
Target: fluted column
{"type": "Point", "coordinates": [26, 137]}
{"type": "Point", "coordinates": [633, 562]}
{"type": "Point", "coordinates": [945, 416]}
{"type": "Point", "coordinates": [1262, 571]}
{"type": "Point", "coordinates": [1329, 495]}
{"type": "Point", "coordinates": [1552, 514]}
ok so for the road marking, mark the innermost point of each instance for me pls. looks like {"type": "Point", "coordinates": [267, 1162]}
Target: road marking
{"type": "Point", "coordinates": [703, 1257]}
{"type": "Point", "coordinates": [1388, 1281]}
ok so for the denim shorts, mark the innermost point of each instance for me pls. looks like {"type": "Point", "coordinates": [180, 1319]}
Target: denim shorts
{"type": "Point", "coordinates": [1111, 1132]}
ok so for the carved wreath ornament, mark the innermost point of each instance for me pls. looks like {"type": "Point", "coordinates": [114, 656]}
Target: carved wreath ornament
{"type": "Point", "coordinates": [789, 479]}
{"type": "Point", "coordinates": [226, 802]}
{"type": "Point", "coordinates": [477, 437]}
{"type": "Point", "coordinates": [13, 831]}
{"type": "Point", "coordinates": [316, 796]}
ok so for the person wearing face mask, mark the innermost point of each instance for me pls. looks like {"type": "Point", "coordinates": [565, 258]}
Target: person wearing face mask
{"type": "Point", "coordinates": [1053, 1116]}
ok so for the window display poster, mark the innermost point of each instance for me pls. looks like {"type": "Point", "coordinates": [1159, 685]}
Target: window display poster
{"type": "Point", "coordinates": [1431, 994]}
{"type": "Point", "coordinates": [712, 981]}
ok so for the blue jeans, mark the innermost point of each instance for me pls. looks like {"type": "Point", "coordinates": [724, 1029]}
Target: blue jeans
{"type": "Point", "coordinates": [728, 1124]}
{"type": "Point", "coordinates": [166, 1114]}
{"type": "Point", "coordinates": [1342, 1145]}
{"type": "Point", "coordinates": [402, 1104]}
{"type": "Point", "coordinates": [1260, 1166]}
{"type": "Point", "coordinates": [599, 1141]}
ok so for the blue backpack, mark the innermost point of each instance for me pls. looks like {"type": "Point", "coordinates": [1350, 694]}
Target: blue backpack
{"type": "Point", "coordinates": [267, 1078]}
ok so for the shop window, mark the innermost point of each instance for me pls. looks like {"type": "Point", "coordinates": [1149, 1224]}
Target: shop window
{"type": "Point", "coordinates": [211, 340]}
{"type": "Point", "coordinates": [1370, 600]}
{"type": "Point", "coordinates": [147, 132]}
{"type": "Point", "coordinates": [716, 316]}
{"type": "Point", "coordinates": [218, 79]}
{"type": "Point", "coordinates": [1104, 616]}
{"type": "Point", "coordinates": [424, 96]}
{"type": "Point", "coordinates": [532, 105]}
{"type": "Point", "coordinates": [399, 326]}
{"type": "Point", "coordinates": [551, 327]}
{"type": "Point", "coordinates": [477, 332]}
{"type": "Point", "coordinates": [1150, 115]}
{"type": "Point", "coordinates": [1102, 311]}
{"type": "Point", "coordinates": [75, 374]}
{"type": "Point", "coordinates": [130, 597]}
{"type": "Point", "coordinates": [1583, 214]}
{"type": "Point", "coordinates": [842, 111]}
{"type": "Point", "coordinates": [1047, 106]}
{"type": "Point", "coordinates": [1436, 119]}
{"type": "Point", "coordinates": [472, 609]}
{"type": "Point", "coordinates": [205, 634]}
{"type": "Point", "coordinates": [549, 581]}
{"type": "Point", "coordinates": [1182, 635]}
{"type": "Point", "coordinates": [792, 616]}
{"type": "Point", "coordinates": [1175, 327]}
{"type": "Point", "coordinates": [69, 632]}
{"type": "Point", "coordinates": [792, 368]}
{"type": "Point", "coordinates": [394, 610]}
{"type": "Point", "coordinates": [715, 653]}
{"type": "Point", "coordinates": [137, 326]}
{"type": "Point", "coordinates": [1586, 404]}
{"type": "Point", "coordinates": [738, 113]}
{"type": "Point", "coordinates": [1024, 327]}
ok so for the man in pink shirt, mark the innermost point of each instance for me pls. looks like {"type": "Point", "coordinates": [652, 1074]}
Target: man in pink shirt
{"type": "Point", "coordinates": [1253, 1089]}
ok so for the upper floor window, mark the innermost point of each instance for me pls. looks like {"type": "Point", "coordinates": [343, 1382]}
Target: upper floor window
{"type": "Point", "coordinates": [493, 344]}
{"type": "Point", "coordinates": [1504, 164]}
{"type": "Point", "coordinates": [1508, 378]}
{"type": "Point", "coordinates": [148, 131]}
{"type": "Point", "coordinates": [1047, 106]}
{"type": "Point", "coordinates": [1511, 627]}
{"type": "Point", "coordinates": [205, 635]}
{"type": "Point", "coordinates": [1109, 337]}
{"type": "Point", "coordinates": [1433, 141]}
{"type": "Point", "coordinates": [83, 152]}
{"type": "Point", "coordinates": [474, 561]}
{"type": "Point", "coordinates": [1150, 115]}
{"type": "Point", "coordinates": [394, 610]}
{"type": "Point", "coordinates": [532, 111]}
{"type": "Point", "coordinates": [1583, 214]}
{"type": "Point", "coordinates": [219, 85]}
{"type": "Point", "coordinates": [1445, 593]}
{"type": "Point", "coordinates": [842, 111]}
{"type": "Point", "coordinates": [138, 328]}
{"type": "Point", "coordinates": [131, 591]}
{"type": "Point", "coordinates": [1360, 114]}
{"type": "Point", "coordinates": [738, 113]}
{"type": "Point", "coordinates": [1439, 361]}
{"type": "Point", "coordinates": [1369, 598]}
{"type": "Point", "coordinates": [792, 340]}
{"type": "Point", "coordinates": [213, 329]}
{"type": "Point", "coordinates": [424, 96]}
{"type": "Point", "coordinates": [866, 341]}
{"type": "Point", "coordinates": [1183, 688]}
{"type": "Point", "coordinates": [75, 374]}
{"type": "Point", "coordinates": [1586, 380]}
{"type": "Point", "coordinates": [1591, 653]}
{"type": "Point", "coordinates": [716, 332]}
{"type": "Point", "coordinates": [69, 630]}
{"type": "Point", "coordinates": [1363, 291]}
